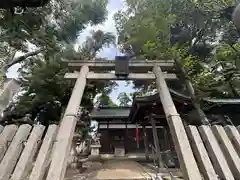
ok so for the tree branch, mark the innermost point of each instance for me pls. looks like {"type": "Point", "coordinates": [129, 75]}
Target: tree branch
{"type": "Point", "coordinates": [12, 56]}
{"type": "Point", "coordinates": [20, 59]}
{"type": "Point", "coordinates": [198, 38]}
{"type": "Point", "coordinates": [191, 91]}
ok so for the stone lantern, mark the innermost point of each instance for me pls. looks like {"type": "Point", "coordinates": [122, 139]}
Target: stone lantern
{"type": "Point", "coordinates": [95, 147]}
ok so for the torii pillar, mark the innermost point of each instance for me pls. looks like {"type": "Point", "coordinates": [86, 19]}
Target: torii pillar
{"type": "Point", "coordinates": [185, 155]}
{"type": "Point", "coordinates": [67, 127]}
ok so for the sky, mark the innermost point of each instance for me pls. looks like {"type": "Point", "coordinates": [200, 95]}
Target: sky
{"type": "Point", "coordinates": [108, 53]}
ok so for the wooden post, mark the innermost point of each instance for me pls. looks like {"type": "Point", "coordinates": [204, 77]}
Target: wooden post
{"type": "Point", "coordinates": [1, 129]}
{"type": "Point", "coordinates": [125, 138]}
{"type": "Point", "coordinates": [228, 150]}
{"type": "Point", "coordinates": [201, 154]}
{"type": "Point", "coordinates": [145, 139]}
{"type": "Point", "coordinates": [156, 142]}
{"type": "Point", "coordinates": [66, 130]}
{"type": "Point", "coordinates": [234, 135]}
{"type": "Point", "coordinates": [185, 155]}
{"type": "Point", "coordinates": [5, 138]}
{"type": "Point", "coordinates": [44, 154]}
{"type": "Point", "coordinates": [25, 161]}
{"type": "Point", "coordinates": [14, 151]}
{"type": "Point", "coordinates": [215, 153]}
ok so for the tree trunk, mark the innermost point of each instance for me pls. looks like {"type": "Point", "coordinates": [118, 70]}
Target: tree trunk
{"type": "Point", "coordinates": [191, 91]}
{"type": "Point", "coordinates": [12, 61]}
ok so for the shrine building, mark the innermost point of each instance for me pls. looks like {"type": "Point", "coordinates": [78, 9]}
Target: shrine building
{"type": "Point", "coordinates": [125, 131]}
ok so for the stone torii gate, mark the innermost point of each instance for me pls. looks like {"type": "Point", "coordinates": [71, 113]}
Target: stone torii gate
{"type": "Point", "coordinates": [204, 152]}
{"type": "Point", "coordinates": [140, 70]}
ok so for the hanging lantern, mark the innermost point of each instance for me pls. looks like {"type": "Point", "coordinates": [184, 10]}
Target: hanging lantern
{"type": "Point", "coordinates": [8, 4]}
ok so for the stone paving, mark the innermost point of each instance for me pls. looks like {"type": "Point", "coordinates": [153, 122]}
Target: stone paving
{"type": "Point", "coordinates": [119, 170]}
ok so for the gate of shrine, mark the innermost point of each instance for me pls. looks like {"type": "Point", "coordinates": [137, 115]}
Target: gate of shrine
{"type": "Point", "coordinates": [204, 152]}
{"type": "Point", "coordinates": [139, 70]}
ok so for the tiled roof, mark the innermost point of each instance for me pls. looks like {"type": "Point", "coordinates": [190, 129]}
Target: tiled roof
{"type": "Point", "coordinates": [109, 112]}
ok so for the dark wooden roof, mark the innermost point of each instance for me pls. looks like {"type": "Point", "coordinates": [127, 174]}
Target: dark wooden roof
{"type": "Point", "coordinates": [152, 104]}
{"type": "Point", "coordinates": [142, 106]}
{"type": "Point", "coordinates": [223, 106]}
{"type": "Point", "coordinates": [109, 113]}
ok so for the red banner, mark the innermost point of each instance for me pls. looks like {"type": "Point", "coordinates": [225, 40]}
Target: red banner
{"type": "Point", "coordinates": [137, 136]}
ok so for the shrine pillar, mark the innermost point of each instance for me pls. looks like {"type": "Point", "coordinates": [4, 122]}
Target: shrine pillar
{"type": "Point", "coordinates": [156, 141]}
{"type": "Point", "coordinates": [67, 127]}
{"type": "Point", "coordinates": [188, 164]}
{"type": "Point", "coordinates": [145, 139]}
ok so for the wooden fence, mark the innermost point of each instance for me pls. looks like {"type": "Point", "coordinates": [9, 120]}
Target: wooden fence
{"type": "Point", "coordinates": [216, 150]}
{"type": "Point", "coordinates": [24, 152]}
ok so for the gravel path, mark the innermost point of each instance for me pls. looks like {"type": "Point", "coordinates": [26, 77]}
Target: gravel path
{"type": "Point", "coordinates": [118, 170]}
{"type": "Point", "coordinates": [121, 170]}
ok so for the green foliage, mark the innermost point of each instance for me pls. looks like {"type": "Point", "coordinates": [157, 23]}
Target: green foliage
{"type": "Point", "coordinates": [49, 28]}
{"type": "Point", "coordinates": [198, 34]}
{"type": "Point", "coordinates": [53, 29]}
{"type": "Point", "coordinates": [124, 99]}
{"type": "Point", "coordinates": [222, 77]}
{"type": "Point", "coordinates": [90, 47]}
{"type": "Point", "coordinates": [105, 100]}
{"type": "Point", "coordinates": [95, 43]}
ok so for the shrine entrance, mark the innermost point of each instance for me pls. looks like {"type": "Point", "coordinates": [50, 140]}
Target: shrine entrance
{"type": "Point", "coordinates": [211, 152]}
{"type": "Point", "coordinates": [150, 70]}
{"type": "Point", "coordinates": [129, 128]}
{"type": "Point", "coordinates": [203, 151]}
